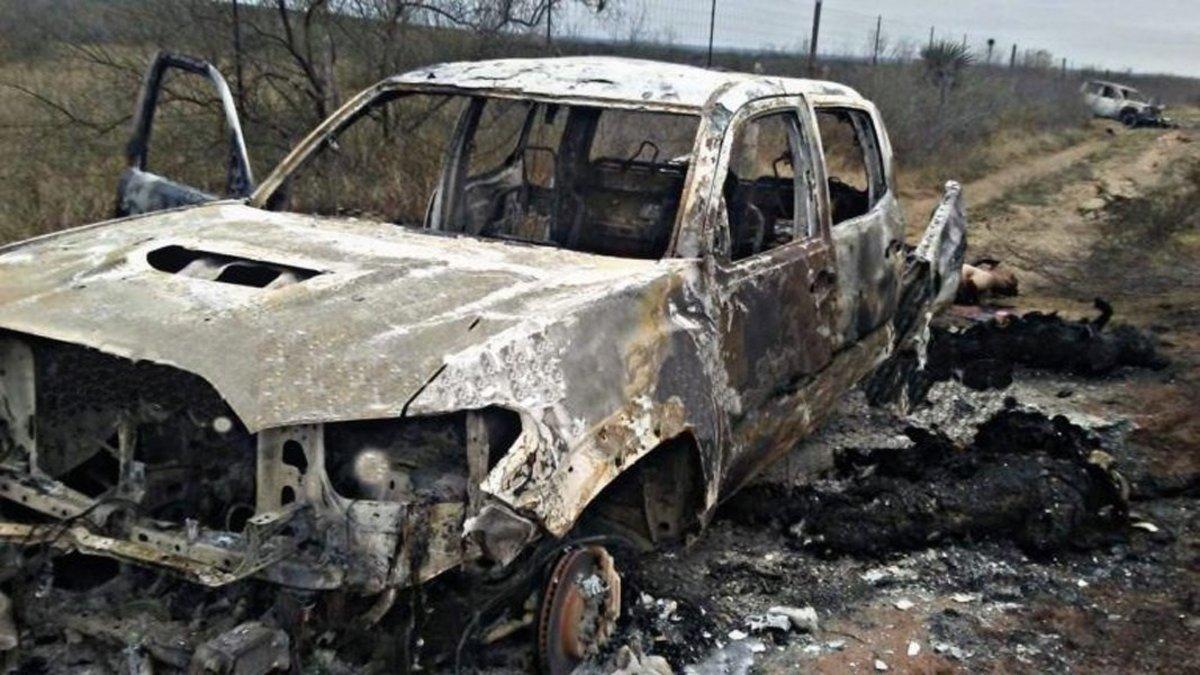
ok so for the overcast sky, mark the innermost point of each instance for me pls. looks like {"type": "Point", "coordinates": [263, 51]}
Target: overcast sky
{"type": "Point", "coordinates": [1146, 36]}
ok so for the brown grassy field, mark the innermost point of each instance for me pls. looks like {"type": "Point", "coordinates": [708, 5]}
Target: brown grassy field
{"type": "Point", "coordinates": [68, 82]}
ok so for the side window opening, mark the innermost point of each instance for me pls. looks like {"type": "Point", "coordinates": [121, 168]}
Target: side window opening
{"type": "Point", "coordinates": [1109, 92]}
{"type": "Point", "coordinates": [853, 162]}
{"type": "Point", "coordinates": [766, 189]}
{"type": "Point", "coordinates": [187, 123]}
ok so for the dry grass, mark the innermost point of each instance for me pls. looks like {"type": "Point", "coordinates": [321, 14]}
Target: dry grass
{"type": "Point", "coordinates": [64, 120]}
{"type": "Point", "coordinates": [56, 173]}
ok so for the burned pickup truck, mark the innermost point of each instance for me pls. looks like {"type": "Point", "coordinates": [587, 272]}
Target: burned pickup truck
{"type": "Point", "coordinates": [485, 320]}
{"type": "Point", "coordinates": [1123, 103]}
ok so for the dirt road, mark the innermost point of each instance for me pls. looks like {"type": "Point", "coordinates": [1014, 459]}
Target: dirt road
{"type": "Point", "coordinates": [921, 552]}
{"type": "Point", "coordinates": [996, 185]}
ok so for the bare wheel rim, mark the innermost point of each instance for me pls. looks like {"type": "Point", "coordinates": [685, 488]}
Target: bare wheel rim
{"type": "Point", "coordinates": [579, 610]}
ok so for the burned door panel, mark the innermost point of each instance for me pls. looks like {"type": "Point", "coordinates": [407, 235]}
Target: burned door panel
{"type": "Point", "coordinates": [140, 190]}
{"type": "Point", "coordinates": [776, 300]}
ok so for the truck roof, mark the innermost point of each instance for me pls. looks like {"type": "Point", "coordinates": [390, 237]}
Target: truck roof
{"type": "Point", "coordinates": [612, 79]}
{"type": "Point", "coordinates": [1113, 84]}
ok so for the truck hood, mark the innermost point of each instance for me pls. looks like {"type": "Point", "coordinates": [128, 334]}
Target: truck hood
{"type": "Point", "coordinates": [376, 313]}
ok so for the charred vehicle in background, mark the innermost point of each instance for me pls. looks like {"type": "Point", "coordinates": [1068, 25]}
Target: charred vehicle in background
{"type": "Point", "coordinates": [1124, 103]}
{"type": "Point", "coordinates": [485, 320]}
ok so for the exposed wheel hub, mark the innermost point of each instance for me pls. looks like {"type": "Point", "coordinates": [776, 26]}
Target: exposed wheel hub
{"type": "Point", "coordinates": [579, 609]}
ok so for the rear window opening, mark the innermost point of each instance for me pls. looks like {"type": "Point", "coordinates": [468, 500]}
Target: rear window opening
{"type": "Point", "coordinates": [592, 179]}
{"type": "Point", "coordinates": [853, 162]}
{"type": "Point", "coordinates": [226, 269]}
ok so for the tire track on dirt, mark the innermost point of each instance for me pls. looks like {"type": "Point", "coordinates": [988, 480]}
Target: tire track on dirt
{"type": "Point", "coordinates": [998, 184]}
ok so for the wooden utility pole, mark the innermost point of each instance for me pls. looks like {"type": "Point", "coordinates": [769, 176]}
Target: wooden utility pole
{"type": "Point", "coordinates": [1064, 67]}
{"type": "Point", "coordinates": [931, 37]}
{"type": "Point", "coordinates": [878, 27]}
{"type": "Point", "coordinates": [1012, 59]}
{"type": "Point", "coordinates": [712, 25]}
{"type": "Point", "coordinates": [812, 45]}
{"type": "Point", "coordinates": [991, 43]}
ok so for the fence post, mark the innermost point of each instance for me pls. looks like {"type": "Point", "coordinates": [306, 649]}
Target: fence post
{"type": "Point", "coordinates": [812, 47]}
{"type": "Point", "coordinates": [712, 25]}
{"type": "Point", "coordinates": [875, 54]}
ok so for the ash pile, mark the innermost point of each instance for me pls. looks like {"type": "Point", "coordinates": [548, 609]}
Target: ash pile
{"type": "Point", "coordinates": [983, 490]}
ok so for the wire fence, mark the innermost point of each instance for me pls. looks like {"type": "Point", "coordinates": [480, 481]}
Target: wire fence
{"type": "Point", "coordinates": [719, 28]}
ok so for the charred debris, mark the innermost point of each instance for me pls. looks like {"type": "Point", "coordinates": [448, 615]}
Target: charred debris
{"type": "Point", "coordinates": [968, 463]}
{"type": "Point", "coordinates": [990, 469]}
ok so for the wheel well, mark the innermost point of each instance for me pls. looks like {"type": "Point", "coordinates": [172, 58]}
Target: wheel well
{"type": "Point", "coordinates": [658, 499]}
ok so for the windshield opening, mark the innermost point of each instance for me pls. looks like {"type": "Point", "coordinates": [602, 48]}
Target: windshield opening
{"type": "Point", "coordinates": [593, 179]}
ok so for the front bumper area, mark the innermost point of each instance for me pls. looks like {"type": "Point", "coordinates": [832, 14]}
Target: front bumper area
{"type": "Point", "coordinates": [147, 464]}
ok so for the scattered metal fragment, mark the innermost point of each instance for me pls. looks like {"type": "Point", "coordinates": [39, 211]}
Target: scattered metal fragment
{"type": "Point", "coordinates": [249, 649]}
{"type": "Point", "coordinates": [758, 623]}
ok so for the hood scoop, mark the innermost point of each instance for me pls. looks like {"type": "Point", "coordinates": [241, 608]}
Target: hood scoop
{"type": "Point", "coordinates": [226, 269]}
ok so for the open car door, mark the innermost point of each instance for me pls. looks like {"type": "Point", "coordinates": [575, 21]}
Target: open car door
{"type": "Point", "coordinates": [933, 269]}
{"type": "Point", "coordinates": [140, 190]}
{"type": "Point", "coordinates": [932, 273]}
